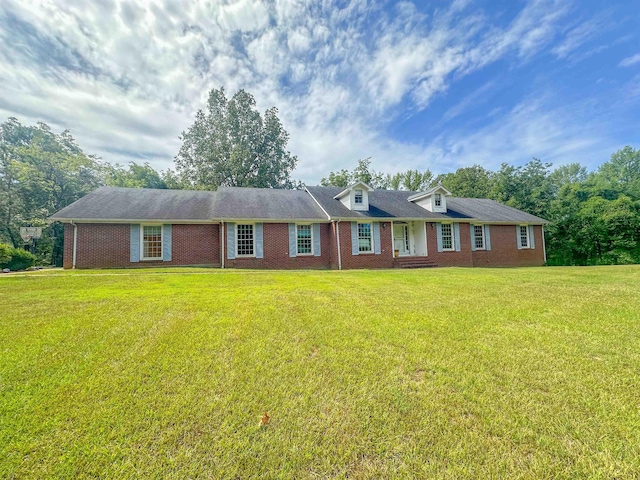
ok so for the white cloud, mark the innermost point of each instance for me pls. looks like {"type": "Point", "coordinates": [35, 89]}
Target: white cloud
{"type": "Point", "coordinates": [629, 61]}
{"type": "Point", "coordinates": [128, 77]}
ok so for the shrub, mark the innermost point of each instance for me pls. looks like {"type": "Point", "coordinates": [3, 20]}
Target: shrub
{"type": "Point", "coordinates": [19, 259]}
{"type": "Point", "coordinates": [5, 254]}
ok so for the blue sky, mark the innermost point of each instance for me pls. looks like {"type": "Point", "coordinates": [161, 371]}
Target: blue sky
{"type": "Point", "coordinates": [436, 85]}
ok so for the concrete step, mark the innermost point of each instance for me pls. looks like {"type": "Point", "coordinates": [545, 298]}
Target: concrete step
{"type": "Point", "coordinates": [414, 262]}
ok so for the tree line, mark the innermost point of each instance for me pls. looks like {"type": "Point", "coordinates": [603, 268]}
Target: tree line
{"type": "Point", "coordinates": [595, 216]}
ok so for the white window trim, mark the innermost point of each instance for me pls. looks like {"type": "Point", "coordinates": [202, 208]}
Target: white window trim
{"type": "Point", "coordinates": [373, 247]}
{"type": "Point", "coordinates": [437, 199]}
{"type": "Point", "coordinates": [453, 238]}
{"type": "Point", "coordinates": [355, 196]}
{"type": "Point", "coordinates": [298, 254]}
{"type": "Point", "coordinates": [528, 246]}
{"type": "Point", "coordinates": [484, 239]}
{"type": "Point", "coordinates": [254, 239]}
{"type": "Point", "coordinates": [148, 259]}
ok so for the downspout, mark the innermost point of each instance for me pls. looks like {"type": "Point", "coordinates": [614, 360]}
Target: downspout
{"type": "Point", "coordinates": [222, 243]}
{"type": "Point", "coordinates": [338, 240]}
{"type": "Point", "coordinates": [544, 245]}
{"type": "Point", "coordinates": [75, 243]}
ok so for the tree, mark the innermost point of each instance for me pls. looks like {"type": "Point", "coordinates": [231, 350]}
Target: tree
{"type": "Point", "coordinates": [232, 144]}
{"type": "Point", "coordinates": [470, 182]}
{"type": "Point", "coordinates": [412, 180]}
{"type": "Point", "coordinates": [41, 172]}
{"type": "Point", "coordinates": [415, 180]}
{"type": "Point", "coordinates": [136, 176]}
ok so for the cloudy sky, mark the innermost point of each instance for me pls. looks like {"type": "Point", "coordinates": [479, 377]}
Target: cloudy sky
{"type": "Point", "coordinates": [435, 85]}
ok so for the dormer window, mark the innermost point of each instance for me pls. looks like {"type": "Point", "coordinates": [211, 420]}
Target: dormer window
{"type": "Point", "coordinates": [355, 197]}
{"type": "Point", "coordinates": [433, 200]}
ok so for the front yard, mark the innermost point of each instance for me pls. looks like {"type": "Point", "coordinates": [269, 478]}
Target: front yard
{"type": "Point", "coordinates": [459, 373]}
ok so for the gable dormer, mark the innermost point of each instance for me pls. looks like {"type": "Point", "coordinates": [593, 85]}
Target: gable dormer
{"type": "Point", "coordinates": [433, 200]}
{"type": "Point", "coordinates": [355, 197]}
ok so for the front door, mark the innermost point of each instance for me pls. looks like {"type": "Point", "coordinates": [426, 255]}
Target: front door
{"type": "Point", "coordinates": [401, 238]}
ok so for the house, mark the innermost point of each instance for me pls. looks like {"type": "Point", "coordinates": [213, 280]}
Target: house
{"type": "Point", "coordinates": [319, 227]}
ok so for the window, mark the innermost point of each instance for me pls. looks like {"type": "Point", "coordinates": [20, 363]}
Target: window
{"type": "Point", "coordinates": [305, 239]}
{"type": "Point", "coordinates": [478, 236]}
{"type": "Point", "coordinates": [524, 236]}
{"type": "Point", "coordinates": [244, 240]}
{"type": "Point", "coordinates": [364, 237]}
{"type": "Point", "coordinates": [358, 196]}
{"type": "Point", "coordinates": [151, 242]}
{"type": "Point", "coordinates": [447, 236]}
{"type": "Point", "coordinates": [438, 199]}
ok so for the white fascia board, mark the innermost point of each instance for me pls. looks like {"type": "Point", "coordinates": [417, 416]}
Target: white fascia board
{"type": "Point", "coordinates": [317, 203]}
{"type": "Point", "coordinates": [431, 191]}
{"type": "Point", "coordinates": [276, 220]}
{"type": "Point", "coordinates": [132, 220]}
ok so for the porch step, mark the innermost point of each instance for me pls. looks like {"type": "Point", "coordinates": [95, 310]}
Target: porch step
{"type": "Point", "coordinates": [413, 262]}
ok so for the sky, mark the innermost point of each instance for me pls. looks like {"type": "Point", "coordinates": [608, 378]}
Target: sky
{"type": "Point", "coordinates": [420, 85]}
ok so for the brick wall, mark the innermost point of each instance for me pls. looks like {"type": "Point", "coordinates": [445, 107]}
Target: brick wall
{"type": "Point", "coordinates": [105, 245]}
{"type": "Point", "coordinates": [366, 260]}
{"type": "Point", "coordinates": [276, 250]}
{"type": "Point", "coordinates": [504, 249]}
{"type": "Point", "coordinates": [463, 258]}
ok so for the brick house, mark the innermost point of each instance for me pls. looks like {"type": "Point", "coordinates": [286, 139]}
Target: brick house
{"type": "Point", "coordinates": [319, 227]}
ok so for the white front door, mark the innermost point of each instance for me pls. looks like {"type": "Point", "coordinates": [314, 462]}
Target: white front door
{"type": "Point", "coordinates": [401, 238]}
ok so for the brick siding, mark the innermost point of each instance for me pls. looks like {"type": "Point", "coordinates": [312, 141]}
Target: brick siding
{"type": "Point", "coordinates": [504, 249]}
{"type": "Point", "coordinates": [366, 260]}
{"type": "Point", "coordinates": [106, 245]}
{"type": "Point", "coordinates": [275, 240]}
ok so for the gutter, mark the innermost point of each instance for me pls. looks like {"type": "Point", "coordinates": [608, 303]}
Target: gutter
{"type": "Point", "coordinates": [338, 241]}
{"type": "Point", "coordinates": [75, 243]}
{"type": "Point", "coordinates": [222, 244]}
{"type": "Point", "coordinates": [544, 245]}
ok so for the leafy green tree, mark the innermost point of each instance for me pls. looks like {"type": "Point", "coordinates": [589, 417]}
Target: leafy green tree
{"type": "Point", "coordinates": [469, 182]}
{"type": "Point", "coordinates": [232, 144]}
{"type": "Point", "coordinates": [412, 180]}
{"type": "Point", "coordinates": [622, 172]}
{"type": "Point", "coordinates": [41, 172]}
{"type": "Point", "coordinates": [341, 178]}
{"type": "Point", "coordinates": [415, 180]}
{"type": "Point", "coordinates": [527, 188]}
{"type": "Point", "coordinates": [136, 176]}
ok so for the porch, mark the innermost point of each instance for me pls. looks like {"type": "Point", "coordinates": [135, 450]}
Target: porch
{"type": "Point", "coordinates": [409, 239]}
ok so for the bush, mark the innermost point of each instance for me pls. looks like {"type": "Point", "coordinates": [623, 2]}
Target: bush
{"type": "Point", "coordinates": [19, 259]}
{"type": "Point", "coordinates": [5, 254]}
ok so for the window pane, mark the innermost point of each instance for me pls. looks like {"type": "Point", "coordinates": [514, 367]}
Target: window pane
{"type": "Point", "coordinates": [245, 240]}
{"type": "Point", "coordinates": [304, 239]}
{"type": "Point", "coordinates": [447, 236]}
{"type": "Point", "coordinates": [438, 200]}
{"type": "Point", "coordinates": [358, 196]}
{"type": "Point", "coordinates": [478, 233]}
{"type": "Point", "coordinates": [152, 241]}
{"type": "Point", "coordinates": [364, 237]}
{"type": "Point", "coordinates": [524, 236]}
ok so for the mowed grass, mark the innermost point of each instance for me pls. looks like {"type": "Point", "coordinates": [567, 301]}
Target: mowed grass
{"type": "Point", "coordinates": [445, 373]}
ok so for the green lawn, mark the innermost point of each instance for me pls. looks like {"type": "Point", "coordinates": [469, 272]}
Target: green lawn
{"type": "Point", "coordinates": [455, 373]}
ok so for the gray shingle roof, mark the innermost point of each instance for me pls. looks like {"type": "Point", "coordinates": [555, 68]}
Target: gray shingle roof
{"type": "Point", "coordinates": [395, 204]}
{"type": "Point", "coordinates": [487, 210]}
{"type": "Point", "coordinates": [265, 203]}
{"type": "Point", "coordinates": [114, 203]}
